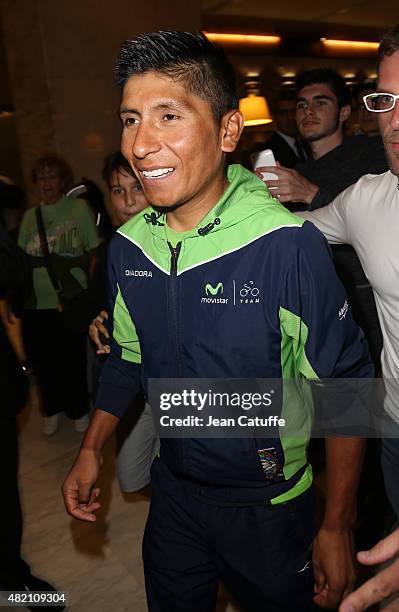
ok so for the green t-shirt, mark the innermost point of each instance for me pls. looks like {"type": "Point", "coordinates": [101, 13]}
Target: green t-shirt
{"type": "Point", "coordinates": [175, 237]}
{"type": "Point", "coordinates": [71, 235]}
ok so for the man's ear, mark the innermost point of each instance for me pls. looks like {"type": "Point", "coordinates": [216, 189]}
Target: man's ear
{"type": "Point", "coordinates": [344, 113]}
{"type": "Point", "coordinates": [231, 128]}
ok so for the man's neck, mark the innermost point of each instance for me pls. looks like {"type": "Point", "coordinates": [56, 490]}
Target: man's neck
{"type": "Point", "coordinates": [325, 145]}
{"type": "Point", "coordinates": [190, 214]}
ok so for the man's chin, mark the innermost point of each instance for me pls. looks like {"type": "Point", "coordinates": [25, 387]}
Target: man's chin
{"type": "Point", "coordinates": [166, 208]}
{"type": "Point", "coordinates": [313, 137]}
{"type": "Point", "coordinates": [393, 162]}
{"type": "Point", "coordinates": [394, 168]}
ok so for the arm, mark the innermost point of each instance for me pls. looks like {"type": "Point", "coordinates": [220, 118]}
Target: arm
{"type": "Point", "coordinates": [290, 186]}
{"type": "Point", "coordinates": [119, 384]}
{"type": "Point", "coordinates": [332, 347]}
{"type": "Point", "coordinates": [332, 220]}
{"type": "Point", "coordinates": [15, 272]}
{"type": "Point", "coordinates": [333, 547]}
{"type": "Point", "coordinates": [79, 490]}
{"type": "Point", "coordinates": [96, 328]}
{"type": "Point", "coordinates": [384, 584]}
{"type": "Point", "coordinates": [13, 327]}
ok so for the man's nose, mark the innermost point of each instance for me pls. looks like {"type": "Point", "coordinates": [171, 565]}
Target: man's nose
{"type": "Point", "coordinates": [146, 140]}
{"type": "Point", "coordinates": [309, 109]}
{"type": "Point", "coordinates": [395, 116]}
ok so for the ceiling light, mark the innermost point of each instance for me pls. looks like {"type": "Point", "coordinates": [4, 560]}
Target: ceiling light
{"type": "Point", "coordinates": [246, 39]}
{"type": "Point", "coordinates": [254, 106]}
{"type": "Point", "coordinates": [255, 110]}
{"type": "Point", "coordinates": [357, 45]}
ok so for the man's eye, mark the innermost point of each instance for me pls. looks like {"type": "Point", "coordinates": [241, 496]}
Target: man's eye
{"type": "Point", "coordinates": [170, 117]}
{"type": "Point", "coordinates": [319, 103]}
{"type": "Point", "coordinates": [117, 191]}
{"type": "Point", "coordinates": [137, 187]}
{"type": "Point", "coordinates": [130, 121]}
{"type": "Point", "coordinates": [301, 106]}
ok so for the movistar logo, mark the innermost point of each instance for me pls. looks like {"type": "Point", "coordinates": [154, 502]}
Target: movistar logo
{"type": "Point", "coordinates": [210, 290]}
{"type": "Point", "coordinates": [213, 290]}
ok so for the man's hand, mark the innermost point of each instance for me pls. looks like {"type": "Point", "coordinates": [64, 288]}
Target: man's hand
{"type": "Point", "coordinates": [290, 185]}
{"type": "Point", "coordinates": [384, 584]}
{"type": "Point", "coordinates": [96, 328]}
{"type": "Point", "coordinates": [333, 566]}
{"type": "Point", "coordinates": [79, 491]}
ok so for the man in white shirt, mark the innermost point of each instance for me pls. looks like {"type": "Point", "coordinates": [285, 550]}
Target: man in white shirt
{"type": "Point", "coordinates": [366, 215]}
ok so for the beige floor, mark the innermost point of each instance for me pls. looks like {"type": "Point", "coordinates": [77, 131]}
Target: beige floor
{"type": "Point", "coordinates": [99, 565]}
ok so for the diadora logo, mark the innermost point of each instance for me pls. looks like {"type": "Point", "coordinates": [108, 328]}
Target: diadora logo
{"type": "Point", "coordinates": [249, 294]}
{"type": "Point", "coordinates": [146, 273]}
{"type": "Point", "coordinates": [213, 290]}
{"type": "Point", "coordinates": [218, 289]}
{"type": "Point", "coordinates": [343, 311]}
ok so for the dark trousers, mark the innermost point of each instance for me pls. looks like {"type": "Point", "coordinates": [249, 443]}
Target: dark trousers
{"type": "Point", "coordinates": [261, 553]}
{"type": "Point", "coordinates": [390, 467]}
{"type": "Point", "coordinates": [12, 567]}
{"type": "Point", "coordinates": [59, 357]}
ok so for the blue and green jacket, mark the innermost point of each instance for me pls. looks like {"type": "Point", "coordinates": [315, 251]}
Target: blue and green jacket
{"type": "Point", "coordinates": [250, 293]}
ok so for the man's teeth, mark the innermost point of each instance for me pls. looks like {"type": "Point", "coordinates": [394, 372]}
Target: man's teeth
{"type": "Point", "coordinates": [156, 172]}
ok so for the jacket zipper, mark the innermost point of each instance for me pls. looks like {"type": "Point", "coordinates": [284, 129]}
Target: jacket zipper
{"type": "Point", "coordinates": [175, 251]}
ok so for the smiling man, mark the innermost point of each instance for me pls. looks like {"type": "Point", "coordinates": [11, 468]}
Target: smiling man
{"type": "Point", "coordinates": [221, 509]}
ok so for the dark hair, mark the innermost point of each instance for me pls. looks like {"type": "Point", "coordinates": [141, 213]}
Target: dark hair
{"type": "Point", "coordinates": [389, 43]}
{"type": "Point", "coordinates": [113, 163]}
{"type": "Point", "coordinates": [329, 77]}
{"type": "Point", "coordinates": [54, 161]}
{"type": "Point", "coordinates": [186, 57]}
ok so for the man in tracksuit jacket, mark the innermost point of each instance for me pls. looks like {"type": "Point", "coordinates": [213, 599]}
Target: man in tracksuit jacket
{"type": "Point", "coordinates": [217, 513]}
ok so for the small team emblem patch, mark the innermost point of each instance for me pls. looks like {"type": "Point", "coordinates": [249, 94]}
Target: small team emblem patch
{"type": "Point", "coordinates": [270, 463]}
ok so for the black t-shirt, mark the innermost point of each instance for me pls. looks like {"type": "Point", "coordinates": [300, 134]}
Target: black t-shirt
{"type": "Point", "coordinates": [343, 166]}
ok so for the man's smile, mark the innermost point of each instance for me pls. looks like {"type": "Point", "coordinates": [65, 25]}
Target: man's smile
{"type": "Point", "coordinates": [156, 173]}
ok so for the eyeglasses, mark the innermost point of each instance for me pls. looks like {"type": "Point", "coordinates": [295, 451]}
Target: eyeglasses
{"type": "Point", "coordinates": [380, 102]}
